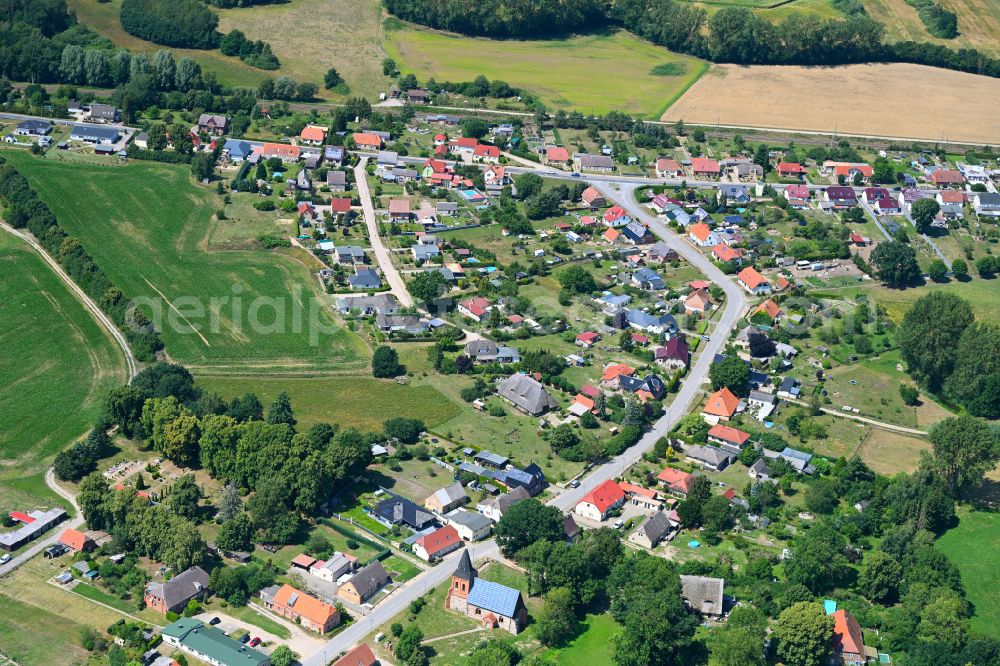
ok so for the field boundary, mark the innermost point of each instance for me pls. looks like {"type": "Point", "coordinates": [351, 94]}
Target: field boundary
{"type": "Point", "coordinates": [704, 67]}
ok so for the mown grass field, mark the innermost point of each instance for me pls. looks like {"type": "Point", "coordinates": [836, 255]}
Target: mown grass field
{"type": "Point", "coordinates": [58, 364]}
{"type": "Point", "coordinates": [351, 401]}
{"type": "Point", "coordinates": [971, 546]}
{"type": "Point", "coordinates": [590, 73]}
{"type": "Point", "coordinates": [102, 17]}
{"type": "Point", "coordinates": [22, 640]}
{"type": "Point", "coordinates": [243, 311]}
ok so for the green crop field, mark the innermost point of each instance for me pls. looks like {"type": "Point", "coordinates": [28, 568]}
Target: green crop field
{"type": "Point", "coordinates": [231, 311]}
{"type": "Point", "coordinates": [972, 548]}
{"type": "Point", "coordinates": [58, 363]}
{"type": "Point", "coordinates": [361, 402]}
{"type": "Point", "coordinates": [590, 73]}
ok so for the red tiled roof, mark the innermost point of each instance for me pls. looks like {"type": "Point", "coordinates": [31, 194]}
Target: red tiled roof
{"type": "Point", "coordinates": [484, 150]}
{"type": "Point", "coordinates": [604, 496]}
{"type": "Point", "coordinates": [590, 391]}
{"type": "Point", "coordinates": [845, 169]}
{"type": "Point", "coordinates": [729, 434]}
{"type": "Point", "coordinates": [847, 636]}
{"type": "Point", "coordinates": [280, 150]}
{"type": "Point", "coordinates": [751, 278]}
{"type": "Point", "coordinates": [611, 235]}
{"type": "Point", "coordinates": [581, 399]}
{"type": "Point", "coordinates": [770, 308]}
{"type": "Point", "coordinates": [615, 371]}
{"type": "Point", "coordinates": [465, 142]}
{"type": "Point", "coordinates": [704, 165]}
{"type": "Point", "coordinates": [75, 539]}
{"type": "Point", "coordinates": [305, 605]}
{"type": "Point", "coordinates": [313, 133]}
{"type": "Point", "coordinates": [952, 196]}
{"type": "Point", "coordinates": [556, 154]}
{"type": "Point", "coordinates": [590, 194]}
{"type": "Point", "coordinates": [303, 560]}
{"type": "Point", "coordinates": [947, 177]}
{"type": "Point", "coordinates": [359, 656]}
{"type": "Point", "coordinates": [725, 252]}
{"type": "Point", "coordinates": [439, 540]}
{"type": "Point", "coordinates": [791, 167]}
{"type": "Point", "coordinates": [666, 164]}
{"type": "Point", "coordinates": [614, 213]}
{"type": "Point", "coordinates": [340, 204]}
{"type": "Point", "coordinates": [632, 489]}
{"type": "Point", "coordinates": [676, 479]}
{"type": "Point", "coordinates": [22, 517]}
{"type": "Point", "coordinates": [700, 231]}
{"type": "Point", "coordinates": [588, 337]}
{"type": "Point", "coordinates": [399, 206]}
{"type": "Point", "coordinates": [797, 191]}
{"type": "Point", "coordinates": [722, 403]}
{"type": "Point", "coordinates": [366, 139]}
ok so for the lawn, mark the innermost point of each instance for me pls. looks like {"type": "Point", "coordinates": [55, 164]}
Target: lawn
{"type": "Point", "coordinates": [146, 224]}
{"type": "Point", "coordinates": [88, 591]}
{"type": "Point", "coordinates": [984, 295]}
{"type": "Point", "coordinates": [351, 401]}
{"type": "Point", "coordinates": [102, 17]}
{"type": "Point", "coordinates": [399, 569]}
{"type": "Point", "coordinates": [58, 365]}
{"type": "Point", "coordinates": [590, 73]}
{"type": "Point", "coordinates": [591, 646]}
{"type": "Point", "coordinates": [32, 636]}
{"type": "Point", "coordinates": [250, 616]}
{"type": "Point", "coordinates": [972, 548]}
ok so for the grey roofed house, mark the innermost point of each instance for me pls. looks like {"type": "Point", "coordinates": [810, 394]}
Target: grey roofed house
{"type": "Point", "coordinates": [336, 178]}
{"type": "Point", "coordinates": [33, 127]}
{"type": "Point", "coordinates": [487, 351]}
{"type": "Point", "coordinates": [789, 388]}
{"type": "Point", "coordinates": [647, 278]}
{"type": "Point", "coordinates": [760, 470]}
{"type": "Point", "coordinates": [370, 579]}
{"type": "Point", "coordinates": [491, 459]}
{"type": "Point", "coordinates": [660, 251]}
{"type": "Point", "coordinates": [425, 252]}
{"type": "Point", "coordinates": [390, 323]}
{"type": "Point", "coordinates": [654, 323]}
{"type": "Point", "coordinates": [703, 595]}
{"type": "Point", "coordinates": [446, 207]}
{"type": "Point", "coordinates": [654, 529]}
{"type": "Point", "coordinates": [349, 254]}
{"type": "Point", "coordinates": [637, 233]}
{"type": "Point", "coordinates": [531, 478]}
{"type": "Point", "coordinates": [502, 503]}
{"type": "Point", "coordinates": [302, 181]}
{"type": "Point", "coordinates": [104, 112]}
{"type": "Point", "coordinates": [95, 134]}
{"type": "Point", "coordinates": [312, 160]}
{"type": "Point", "coordinates": [450, 494]}
{"type": "Point", "coordinates": [398, 510]}
{"type": "Point", "coordinates": [800, 460]}
{"type": "Point", "coordinates": [709, 456]}
{"type": "Point", "coordinates": [762, 398]}
{"type": "Point", "coordinates": [736, 193]}
{"type": "Point", "coordinates": [180, 589]}
{"type": "Point", "coordinates": [213, 122]}
{"type": "Point", "coordinates": [384, 303]}
{"type": "Point", "coordinates": [470, 519]}
{"type": "Point", "coordinates": [387, 158]}
{"type": "Point", "coordinates": [403, 174]}
{"type": "Point", "coordinates": [596, 162]}
{"type": "Point", "coordinates": [526, 394]}
{"type": "Point", "coordinates": [366, 278]}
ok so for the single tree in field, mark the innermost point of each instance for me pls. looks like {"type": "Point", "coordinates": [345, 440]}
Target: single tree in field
{"type": "Point", "coordinates": [928, 336]}
{"type": "Point", "coordinates": [896, 263]}
{"type": "Point", "coordinates": [964, 449]}
{"type": "Point", "coordinates": [385, 362]}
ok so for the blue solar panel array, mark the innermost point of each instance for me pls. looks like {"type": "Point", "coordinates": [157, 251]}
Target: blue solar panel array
{"type": "Point", "coordinates": [494, 597]}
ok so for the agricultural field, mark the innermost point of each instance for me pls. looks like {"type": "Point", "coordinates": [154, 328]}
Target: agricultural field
{"type": "Point", "coordinates": [972, 548]}
{"type": "Point", "coordinates": [590, 73]}
{"type": "Point", "coordinates": [955, 106]}
{"type": "Point", "coordinates": [983, 294]}
{"type": "Point", "coordinates": [58, 364]}
{"type": "Point", "coordinates": [102, 17]}
{"type": "Point", "coordinates": [351, 401]}
{"type": "Point", "coordinates": [774, 10]}
{"type": "Point", "coordinates": [146, 225]}
{"type": "Point", "coordinates": [978, 23]}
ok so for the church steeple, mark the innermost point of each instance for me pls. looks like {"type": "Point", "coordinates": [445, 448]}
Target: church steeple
{"type": "Point", "coordinates": [465, 573]}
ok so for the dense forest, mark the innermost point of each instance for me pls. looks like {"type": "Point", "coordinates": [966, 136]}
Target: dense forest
{"type": "Point", "coordinates": [503, 18]}
{"type": "Point", "coordinates": [180, 23]}
{"type": "Point", "coordinates": [732, 34]}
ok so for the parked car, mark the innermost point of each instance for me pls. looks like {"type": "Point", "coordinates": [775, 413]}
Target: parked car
{"type": "Point", "coordinates": [575, 483]}
{"type": "Point", "coordinates": [245, 638]}
{"type": "Point", "coordinates": [619, 524]}
{"type": "Point", "coordinates": [255, 642]}
{"type": "Point", "coordinates": [5, 559]}
{"type": "Point", "coordinates": [214, 621]}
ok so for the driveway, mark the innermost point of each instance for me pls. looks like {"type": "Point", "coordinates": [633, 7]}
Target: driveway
{"type": "Point", "coordinates": [300, 642]}
{"type": "Point", "coordinates": [382, 255]}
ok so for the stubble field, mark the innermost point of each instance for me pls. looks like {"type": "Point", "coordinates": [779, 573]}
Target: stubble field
{"type": "Point", "coordinates": [894, 100]}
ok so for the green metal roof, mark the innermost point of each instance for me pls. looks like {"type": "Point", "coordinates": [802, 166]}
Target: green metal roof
{"type": "Point", "coordinates": [213, 643]}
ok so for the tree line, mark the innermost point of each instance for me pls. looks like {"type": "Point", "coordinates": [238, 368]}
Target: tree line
{"type": "Point", "coordinates": [732, 34]}
{"type": "Point", "coordinates": [27, 210]}
{"type": "Point", "coordinates": [179, 23]}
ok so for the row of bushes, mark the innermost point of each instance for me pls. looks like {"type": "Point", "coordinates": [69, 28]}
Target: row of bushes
{"type": "Point", "coordinates": [26, 210]}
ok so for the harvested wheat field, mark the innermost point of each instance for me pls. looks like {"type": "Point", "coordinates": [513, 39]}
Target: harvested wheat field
{"type": "Point", "coordinates": [890, 100]}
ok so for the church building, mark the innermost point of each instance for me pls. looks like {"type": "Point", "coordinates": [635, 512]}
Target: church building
{"type": "Point", "coordinates": [493, 605]}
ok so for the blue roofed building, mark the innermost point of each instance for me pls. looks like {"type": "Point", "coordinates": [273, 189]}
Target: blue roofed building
{"type": "Point", "coordinates": [648, 279]}
{"type": "Point", "coordinates": [531, 478]}
{"type": "Point", "coordinates": [237, 150]}
{"type": "Point", "coordinates": [650, 323]}
{"type": "Point", "coordinates": [492, 605]}
{"type": "Point", "coordinates": [95, 134]}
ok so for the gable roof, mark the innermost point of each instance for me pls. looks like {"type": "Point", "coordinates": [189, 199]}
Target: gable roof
{"type": "Point", "coordinates": [439, 540]}
{"type": "Point", "coordinates": [676, 479]}
{"type": "Point", "coordinates": [675, 348]}
{"type": "Point", "coordinates": [526, 393]}
{"type": "Point", "coordinates": [494, 597]}
{"type": "Point", "coordinates": [313, 133]}
{"type": "Point", "coordinates": [362, 655]}
{"type": "Point", "coordinates": [398, 509]}
{"type": "Point", "coordinates": [704, 165]}
{"type": "Point", "coordinates": [75, 539]}
{"type": "Point", "coordinates": [604, 496]}
{"type": "Point", "coordinates": [701, 231]}
{"type": "Point", "coordinates": [486, 150]}
{"type": "Point", "coordinates": [556, 154]}
{"type": "Point", "coordinates": [751, 278]}
{"type": "Point", "coordinates": [181, 588]}
{"type": "Point", "coordinates": [722, 403]}
{"type": "Point", "coordinates": [369, 579]}
{"type": "Point", "coordinates": [616, 370]}
{"type": "Point", "coordinates": [366, 139]}
{"type": "Point", "coordinates": [726, 253]}
{"type": "Point", "coordinates": [449, 494]}
{"type": "Point", "coordinates": [847, 636]}
{"type": "Point", "coordinates": [770, 308]}
{"type": "Point", "coordinates": [655, 526]}
{"type": "Point", "coordinates": [729, 434]}
{"type": "Point", "coordinates": [305, 605]}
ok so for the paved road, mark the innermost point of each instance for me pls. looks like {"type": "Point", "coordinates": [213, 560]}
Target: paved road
{"type": "Point", "coordinates": [102, 319]}
{"type": "Point", "coordinates": [397, 602]}
{"type": "Point", "coordinates": [381, 252]}
{"type": "Point", "coordinates": [53, 535]}
{"type": "Point", "coordinates": [690, 389]}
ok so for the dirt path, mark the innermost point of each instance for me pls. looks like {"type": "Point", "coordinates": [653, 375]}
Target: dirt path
{"type": "Point", "coordinates": [864, 419]}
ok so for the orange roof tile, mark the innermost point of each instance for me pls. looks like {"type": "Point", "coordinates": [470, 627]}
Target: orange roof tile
{"type": "Point", "coordinates": [313, 133]}
{"type": "Point", "coordinates": [367, 139]}
{"type": "Point", "coordinates": [722, 403]}
{"type": "Point", "coordinates": [75, 539]}
{"type": "Point", "coordinates": [676, 479]}
{"type": "Point", "coordinates": [847, 636]}
{"type": "Point", "coordinates": [556, 154]}
{"type": "Point", "coordinates": [751, 278]}
{"type": "Point", "coordinates": [770, 308]}
{"type": "Point", "coordinates": [305, 605]}
{"type": "Point", "coordinates": [604, 496]}
{"type": "Point", "coordinates": [439, 540]}
{"type": "Point", "coordinates": [700, 231]}
{"type": "Point", "coordinates": [729, 434]}
{"type": "Point", "coordinates": [615, 371]}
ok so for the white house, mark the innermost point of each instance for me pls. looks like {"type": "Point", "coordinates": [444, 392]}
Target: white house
{"type": "Point", "coordinates": [600, 501]}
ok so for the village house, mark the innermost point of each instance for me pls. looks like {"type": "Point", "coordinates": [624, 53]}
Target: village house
{"type": "Point", "coordinates": [770, 309]}
{"type": "Point", "coordinates": [397, 510]}
{"type": "Point", "coordinates": [104, 113]}
{"type": "Point", "coordinates": [674, 354]}
{"type": "Point", "coordinates": [676, 481]}
{"type": "Point", "coordinates": [486, 154]}
{"type": "Point", "coordinates": [598, 503]}
{"type": "Point", "coordinates": [526, 394]}
{"type": "Point", "coordinates": [947, 178]}
{"type": "Point", "coordinates": [798, 196]}
{"type": "Point", "coordinates": [495, 508]}
{"type": "Point", "coordinates": [399, 210]}
{"type": "Point", "coordinates": [336, 181]}
{"type": "Point", "coordinates": [487, 351]}
{"type": "Point", "coordinates": [753, 282]}
{"type": "Point", "coordinates": [237, 150]}
{"type": "Point", "coordinates": [335, 567]}
{"type": "Point", "coordinates": [704, 595]}
{"type": "Point", "coordinates": [697, 302]}
{"type": "Point", "coordinates": [363, 585]}
{"type": "Point", "coordinates": [662, 253]}
{"type": "Point", "coordinates": [668, 168]}
{"type": "Point", "coordinates": [492, 605]}
{"type": "Point", "coordinates": [708, 457]}
{"type": "Point", "coordinates": [702, 235]}
{"type": "Point", "coordinates": [300, 607]}
{"type": "Point", "coordinates": [348, 254]}
{"type": "Point", "coordinates": [733, 195]}
{"type": "Point", "coordinates": [76, 540]}
{"type": "Point", "coordinates": [725, 253]}
{"type": "Point", "coordinates": [986, 204]}
{"type": "Point", "coordinates": [364, 279]}
{"type": "Point", "coordinates": [173, 595]}
{"type": "Point", "coordinates": [283, 151]}
{"type": "Point", "coordinates": [593, 198]}
{"type": "Point", "coordinates": [213, 123]}
{"type": "Point", "coordinates": [791, 170]}
{"type": "Point", "coordinates": [598, 163]}
{"type": "Point", "coordinates": [647, 279]}
{"type": "Point", "coordinates": [471, 526]}
{"type": "Point", "coordinates": [732, 439]}
{"type": "Point", "coordinates": [445, 499]}
{"type": "Point", "coordinates": [848, 641]}
{"type": "Point", "coordinates": [587, 339]}
{"type": "Point", "coordinates": [721, 405]}
{"type": "Point", "coordinates": [432, 547]}
{"type": "Point", "coordinates": [32, 127]}
{"type": "Point", "coordinates": [475, 308]}
{"type": "Point", "coordinates": [557, 156]}
{"type": "Point", "coordinates": [650, 323]}
{"type": "Point", "coordinates": [704, 167]}
{"type": "Point", "coordinates": [952, 203]}
{"type": "Point", "coordinates": [362, 655]}
{"type": "Point", "coordinates": [367, 142]}
{"type": "Point", "coordinates": [840, 197]}
{"type": "Point", "coordinates": [653, 530]}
